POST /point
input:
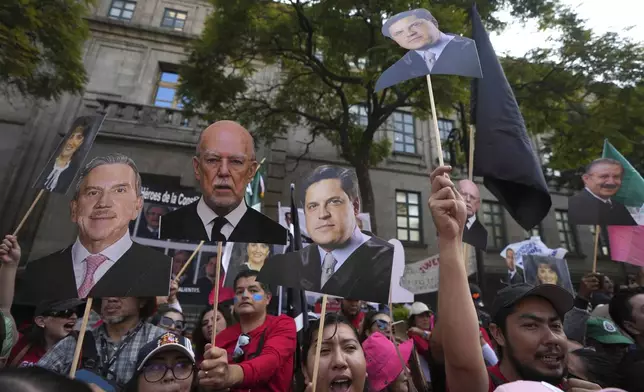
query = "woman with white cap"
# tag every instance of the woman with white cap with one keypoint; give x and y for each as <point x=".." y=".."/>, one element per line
<point x="420" y="325"/>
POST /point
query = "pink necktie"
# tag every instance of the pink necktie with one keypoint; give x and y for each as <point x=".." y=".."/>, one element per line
<point x="93" y="262"/>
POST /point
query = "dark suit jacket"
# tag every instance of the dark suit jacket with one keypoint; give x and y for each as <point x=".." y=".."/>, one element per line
<point x="140" y="272"/>
<point x="365" y="275"/>
<point x="254" y="227"/>
<point x="66" y="176"/>
<point x="586" y="209"/>
<point x="144" y="232"/>
<point x="518" y="278"/>
<point x="476" y="235"/>
<point x="459" y="57"/>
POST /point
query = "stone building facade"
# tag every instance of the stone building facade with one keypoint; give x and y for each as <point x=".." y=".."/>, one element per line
<point x="131" y="60"/>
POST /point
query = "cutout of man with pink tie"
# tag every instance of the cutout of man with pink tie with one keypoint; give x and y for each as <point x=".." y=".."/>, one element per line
<point x="103" y="261"/>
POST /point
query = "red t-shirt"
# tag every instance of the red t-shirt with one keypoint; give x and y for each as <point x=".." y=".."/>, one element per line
<point x="225" y="293"/>
<point x="420" y="344"/>
<point x="31" y="357"/>
<point x="270" y="370"/>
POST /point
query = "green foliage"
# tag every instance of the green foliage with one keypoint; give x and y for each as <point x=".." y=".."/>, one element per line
<point x="400" y="312"/>
<point x="41" y="47"/>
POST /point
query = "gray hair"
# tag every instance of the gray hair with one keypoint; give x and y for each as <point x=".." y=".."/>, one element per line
<point x="111" y="159"/>
<point x="606" y="161"/>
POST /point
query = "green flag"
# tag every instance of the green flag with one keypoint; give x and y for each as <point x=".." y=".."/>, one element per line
<point x="255" y="191"/>
<point x="631" y="193"/>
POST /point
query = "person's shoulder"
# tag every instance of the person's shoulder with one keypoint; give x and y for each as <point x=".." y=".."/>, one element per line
<point x="180" y="212"/>
<point x="380" y="244"/>
<point x="282" y="320"/>
<point x="61" y="254"/>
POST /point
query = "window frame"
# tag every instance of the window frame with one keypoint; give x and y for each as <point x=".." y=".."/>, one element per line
<point x="491" y="245"/>
<point x="403" y="133"/>
<point x="120" y="17"/>
<point x="446" y="153"/>
<point x="174" y="19"/>
<point x="530" y="234"/>
<point x="408" y="229"/>
<point x="573" y="247"/>
<point x="176" y="104"/>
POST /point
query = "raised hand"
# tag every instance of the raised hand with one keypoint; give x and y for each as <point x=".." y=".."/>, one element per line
<point x="10" y="251"/>
<point x="447" y="205"/>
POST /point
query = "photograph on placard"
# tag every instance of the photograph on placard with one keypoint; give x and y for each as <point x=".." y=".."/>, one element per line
<point x="596" y="204"/>
<point x="224" y="165"/>
<point x="514" y="255"/>
<point x="343" y="260"/>
<point x="474" y="232"/>
<point x="243" y="256"/>
<point x="63" y="165"/>
<point x="515" y="273"/>
<point x="363" y="220"/>
<point x="430" y="51"/>
<point x="547" y="270"/>
<point x="103" y="261"/>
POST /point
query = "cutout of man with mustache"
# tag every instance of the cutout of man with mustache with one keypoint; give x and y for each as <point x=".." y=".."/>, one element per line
<point x="593" y="205"/>
<point x="103" y="261"/>
<point x="224" y="165"/>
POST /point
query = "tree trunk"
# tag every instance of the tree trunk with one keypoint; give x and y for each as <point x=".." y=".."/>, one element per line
<point x="368" y="203"/>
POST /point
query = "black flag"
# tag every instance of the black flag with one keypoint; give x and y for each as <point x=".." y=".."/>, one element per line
<point x="503" y="154"/>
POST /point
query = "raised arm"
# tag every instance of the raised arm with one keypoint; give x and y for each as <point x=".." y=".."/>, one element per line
<point x="464" y="365"/>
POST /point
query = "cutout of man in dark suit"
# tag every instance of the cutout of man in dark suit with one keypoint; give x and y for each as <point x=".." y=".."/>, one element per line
<point x="224" y="165"/>
<point x="103" y="262"/>
<point x="474" y="232"/>
<point x="515" y="274"/>
<point x="149" y="225"/>
<point x="343" y="260"/>
<point x="593" y="205"/>
<point x="430" y="50"/>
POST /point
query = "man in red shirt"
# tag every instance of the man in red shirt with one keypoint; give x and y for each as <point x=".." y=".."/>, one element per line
<point x="256" y="354"/>
<point x="352" y="310"/>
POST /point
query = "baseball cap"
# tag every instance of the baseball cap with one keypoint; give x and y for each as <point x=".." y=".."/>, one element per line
<point x="420" y="13"/>
<point x="558" y="297"/>
<point x="383" y="364"/>
<point x="58" y="306"/>
<point x="604" y="331"/>
<point x="527" y="386"/>
<point x="418" y="308"/>
<point x="167" y="342"/>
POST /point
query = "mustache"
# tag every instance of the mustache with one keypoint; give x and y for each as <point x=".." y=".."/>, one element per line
<point x="222" y="183"/>
<point x="102" y="214"/>
<point x="609" y="186"/>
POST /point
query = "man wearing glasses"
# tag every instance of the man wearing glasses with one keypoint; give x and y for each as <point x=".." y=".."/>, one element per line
<point x="224" y="165"/>
<point x="474" y="232"/>
<point x="256" y="354"/>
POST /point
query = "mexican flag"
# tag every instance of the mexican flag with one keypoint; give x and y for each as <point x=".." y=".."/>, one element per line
<point x="255" y="190"/>
<point x="631" y="193"/>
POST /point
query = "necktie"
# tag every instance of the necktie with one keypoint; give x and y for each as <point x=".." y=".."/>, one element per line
<point x="218" y="223"/>
<point x="92" y="264"/>
<point x="327" y="268"/>
<point x="430" y="59"/>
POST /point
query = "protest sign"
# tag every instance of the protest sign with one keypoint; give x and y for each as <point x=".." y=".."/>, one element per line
<point x="422" y="276"/>
<point x="627" y="244"/>
<point x="547" y="270"/>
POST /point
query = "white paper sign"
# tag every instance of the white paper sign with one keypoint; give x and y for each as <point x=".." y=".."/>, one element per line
<point x="533" y="246"/>
<point x="422" y="276"/>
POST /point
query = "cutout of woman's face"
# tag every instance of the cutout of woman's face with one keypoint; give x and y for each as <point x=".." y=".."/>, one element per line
<point x="257" y="253"/>
<point x="342" y="361"/>
<point x="546" y="275"/>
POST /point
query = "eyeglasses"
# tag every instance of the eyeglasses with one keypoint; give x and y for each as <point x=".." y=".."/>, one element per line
<point x="167" y="322"/>
<point x="61" y="313"/>
<point x="155" y="372"/>
<point x="382" y="324"/>
<point x="242" y="341"/>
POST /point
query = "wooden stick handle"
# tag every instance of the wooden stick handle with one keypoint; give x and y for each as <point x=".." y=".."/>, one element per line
<point x="597" y="230"/>
<point x="437" y="135"/>
<point x="470" y="171"/>
<point x="187" y="264"/>
<point x="81" y="338"/>
<point x="318" y="347"/>
<point x="31" y="208"/>
<point x="215" y="301"/>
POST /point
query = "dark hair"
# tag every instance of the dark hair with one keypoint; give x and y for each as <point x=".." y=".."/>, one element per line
<point x="599" y="161"/>
<point x="420" y="13"/>
<point x="161" y="311"/>
<point x="311" y="333"/>
<point x="620" y="308"/>
<point x="198" y="339"/>
<point x="500" y="320"/>
<point x="368" y="322"/>
<point x="247" y="274"/>
<point x="600" y="369"/>
<point x="347" y="177"/>
<point x="37" y="379"/>
<point x="147" y="311"/>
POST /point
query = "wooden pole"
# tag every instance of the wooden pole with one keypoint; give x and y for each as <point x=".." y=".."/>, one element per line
<point x="29" y="211"/>
<point x="187" y="264"/>
<point x="597" y="230"/>
<point x="318" y="347"/>
<point x="215" y="301"/>
<point x="470" y="176"/>
<point x="81" y="337"/>
<point x="437" y="135"/>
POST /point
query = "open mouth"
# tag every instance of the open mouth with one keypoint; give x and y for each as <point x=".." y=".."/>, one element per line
<point x="340" y="384"/>
<point x="552" y="361"/>
<point x="69" y="327"/>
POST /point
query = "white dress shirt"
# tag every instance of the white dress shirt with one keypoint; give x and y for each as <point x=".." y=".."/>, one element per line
<point x="207" y="217"/>
<point x="342" y="254"/>
<point x="112" y="252"/>
<point x="470" y="221"/>
<point x="431" y="54"/>
<point x="52" y="179"/>
<point x="606" y="201"/>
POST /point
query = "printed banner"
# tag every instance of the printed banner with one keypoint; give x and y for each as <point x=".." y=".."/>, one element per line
<point x="627" y="244"/>
<point x="422" y="276"/>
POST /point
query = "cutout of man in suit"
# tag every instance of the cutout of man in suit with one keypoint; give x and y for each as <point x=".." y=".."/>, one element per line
<point x="430" y="50"/>
<point x="149" y="225"/>
<point x="103" y="262"/>
<point x="224" y="165"/>
<point x="516" y="274"/>
<point x="343" y="260"/>
<point x="474" y="232"/>
<point x="593" y="205"/>
<point x="63" y="165"/>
